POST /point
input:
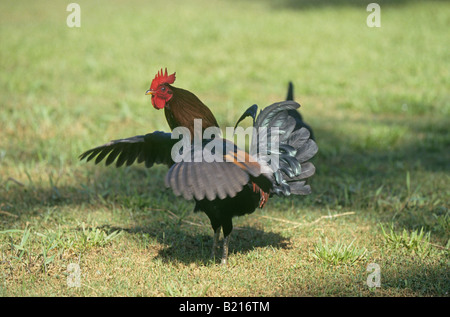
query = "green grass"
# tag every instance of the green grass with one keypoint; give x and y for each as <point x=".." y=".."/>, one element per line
<point x="377" y="99"/>
<point x="338" y="253"/>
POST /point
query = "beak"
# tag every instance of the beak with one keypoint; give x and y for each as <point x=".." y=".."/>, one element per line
<point x="149" y="92"/>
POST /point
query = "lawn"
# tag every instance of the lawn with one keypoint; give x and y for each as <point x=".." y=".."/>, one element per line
<point x="378" y="100"/>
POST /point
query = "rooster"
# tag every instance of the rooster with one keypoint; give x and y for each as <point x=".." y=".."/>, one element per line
<point x="223" y="189"/>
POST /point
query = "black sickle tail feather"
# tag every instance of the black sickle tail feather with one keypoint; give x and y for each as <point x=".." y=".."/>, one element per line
<point x="250" y="112"/>
<point x="290" y="93"/>
<point x="295" y="148"/>
<point x="295" y="114"/>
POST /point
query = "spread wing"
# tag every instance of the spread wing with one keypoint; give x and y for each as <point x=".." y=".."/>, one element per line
<point x="215" y="179"/>
<point x="202" y="180"/>
<point x="150" y="148"/>
<point x="188" y="177"/>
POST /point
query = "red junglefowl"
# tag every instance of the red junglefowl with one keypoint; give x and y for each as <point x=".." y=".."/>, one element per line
<point x="235" y="185"/>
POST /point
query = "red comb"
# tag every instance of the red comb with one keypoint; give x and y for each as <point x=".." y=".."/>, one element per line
<point x="162" y="78"/>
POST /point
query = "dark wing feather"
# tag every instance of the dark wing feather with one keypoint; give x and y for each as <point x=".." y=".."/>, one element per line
<point x="113" y="155"/>
<point x="150" y="148"/>
<point x="100" y="156"/>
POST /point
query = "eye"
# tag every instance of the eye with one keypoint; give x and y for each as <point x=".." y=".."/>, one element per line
<point x="163" y="88"/>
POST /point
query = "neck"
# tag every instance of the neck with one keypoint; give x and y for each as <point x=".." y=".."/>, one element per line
<point x="184" y="107"/>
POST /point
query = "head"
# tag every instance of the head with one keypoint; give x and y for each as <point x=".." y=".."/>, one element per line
<point x="160" y="90"/>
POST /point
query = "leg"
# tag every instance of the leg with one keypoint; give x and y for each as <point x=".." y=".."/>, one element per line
<point x="216" y="225"/>
<point x="226" y="240"/>
<point x="227" y="227"/>
<point x="215" y="242"/>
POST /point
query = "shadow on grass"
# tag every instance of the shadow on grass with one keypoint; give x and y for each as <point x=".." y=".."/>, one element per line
<point x="101" y="185"/>
<point x="422" y="280"/>
<point x="396" y="279"/>
<point x="401" y="180"/>
<point x="191" y="246"/>
<point x="348" y="174"/>
<point x="312" y="4"/>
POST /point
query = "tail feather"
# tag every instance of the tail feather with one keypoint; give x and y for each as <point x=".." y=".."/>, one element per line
<point x="295" y="114"/>
<point x="308" y="170"/>
<point x="298" y="138"/>
<point x="295" y="141"/>
<point x="290" y="93"/>
<point x="306" y="151"/>
<point x="300" y="188"/>
<point x="295" y="149"/>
